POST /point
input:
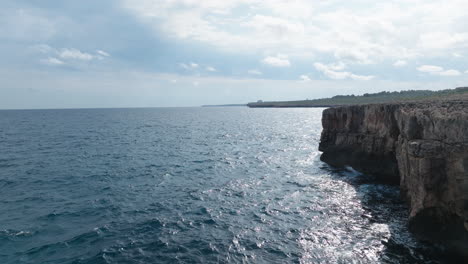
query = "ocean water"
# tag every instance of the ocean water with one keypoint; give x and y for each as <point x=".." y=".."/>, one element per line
<point x="189" y="185"/>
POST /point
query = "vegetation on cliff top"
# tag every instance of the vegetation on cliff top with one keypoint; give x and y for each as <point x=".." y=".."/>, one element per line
<point x="382" y="97"/>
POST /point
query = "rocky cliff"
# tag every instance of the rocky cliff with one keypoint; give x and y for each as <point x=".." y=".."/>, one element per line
<point x="423" y="146"/>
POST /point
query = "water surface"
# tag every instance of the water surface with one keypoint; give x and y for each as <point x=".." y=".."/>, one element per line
<point x="189" y="185"/>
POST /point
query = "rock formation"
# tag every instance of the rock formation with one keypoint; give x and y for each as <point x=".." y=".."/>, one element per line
<point x="421" y="145"/>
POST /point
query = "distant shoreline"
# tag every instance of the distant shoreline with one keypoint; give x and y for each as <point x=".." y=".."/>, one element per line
<point x="373" y="98"/>
<point x="225" y="105"/>
<point x="280" y="105"/>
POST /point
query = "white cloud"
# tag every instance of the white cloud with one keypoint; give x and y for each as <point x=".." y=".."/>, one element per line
<point x="337" y="66"/>
<point x="210" y="69"/>
<point x="429" y="68"/>
<point x="449" y="73"/>
<point x="257" y="72"/>
<point x="361" y="77"/>
<point x="353" y="55"/>
<point x="442" y="40"/>
<point x="437" y="70"/>
<point x="103" y="53"/>
<point x="305" y="78"/>
<point x="189" y="66"/>
<point x="400" y="63"/>
<point x="466" y="71"/>
<point x="360" y="31"/>
<point x="52" y="61"/>
<point x="75" y="54"/>
<point x="277" y="61"/>
<point x="66" y="55"/>
<point x="279" y="28"/>
<point x="331" y="72"/>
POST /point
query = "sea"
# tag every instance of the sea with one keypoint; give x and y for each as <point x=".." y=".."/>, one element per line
<point x="190" y="185"/>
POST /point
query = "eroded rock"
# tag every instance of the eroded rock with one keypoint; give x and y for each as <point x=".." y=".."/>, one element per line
<point x="423" y="146"/>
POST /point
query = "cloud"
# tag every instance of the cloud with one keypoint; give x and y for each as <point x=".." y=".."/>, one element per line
<point x="75" y="55"/>
<point x="189" y="66"/>
<point x="305" y="78"/>
<point x="336" y="66"/>
<point x="67" y="56"/>
<point x="103" y="53"/>
<point x="360" y="31"/>
<point x="450" y="73"/>
<point x="400" y="63"/>
<point x="429" y="68"/>
<point x="331" y="72"/>
<point x="276" y="27"/>
<point x="52" y="61"/>
<point x="442" y="40"/>
<point x="254" y="72"/>
<point x="192" y="66"/>
<point x="353" y="55"/>
<point x="361" y="77"/>
<point x="277" y="61"/>
<point x="437" y="70"/>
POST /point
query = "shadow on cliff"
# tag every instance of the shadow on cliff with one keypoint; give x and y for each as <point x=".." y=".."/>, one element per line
<point x="382" y="205"/>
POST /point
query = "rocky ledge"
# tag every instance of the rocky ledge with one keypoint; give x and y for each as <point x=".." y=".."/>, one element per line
<point x="423" y="146"/>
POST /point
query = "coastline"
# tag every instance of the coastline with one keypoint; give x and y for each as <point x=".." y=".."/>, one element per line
<point x="422" y="146"/>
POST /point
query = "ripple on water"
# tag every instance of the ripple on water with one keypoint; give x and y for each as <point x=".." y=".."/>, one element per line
<point x="189" y="185"/>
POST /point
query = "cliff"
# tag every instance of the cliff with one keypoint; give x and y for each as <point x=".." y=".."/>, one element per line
<point x="423" y="146"/>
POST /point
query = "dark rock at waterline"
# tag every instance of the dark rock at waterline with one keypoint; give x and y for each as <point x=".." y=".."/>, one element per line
<point x="423" y="146"/>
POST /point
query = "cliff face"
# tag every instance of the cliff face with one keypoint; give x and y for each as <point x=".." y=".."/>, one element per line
<point x="423" y="146"/>
<point x="363" y="137"/>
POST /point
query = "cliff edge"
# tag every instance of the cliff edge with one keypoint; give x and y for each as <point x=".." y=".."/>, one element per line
<point x="423" y="146"/>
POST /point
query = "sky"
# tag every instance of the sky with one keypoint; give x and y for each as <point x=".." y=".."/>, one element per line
<point x="162" y="53"/>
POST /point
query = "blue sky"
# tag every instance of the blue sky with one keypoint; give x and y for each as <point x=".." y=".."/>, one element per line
<point x="143" y="53"/>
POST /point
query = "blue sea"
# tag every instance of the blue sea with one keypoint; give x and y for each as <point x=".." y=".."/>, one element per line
<point x="189" y="185"/>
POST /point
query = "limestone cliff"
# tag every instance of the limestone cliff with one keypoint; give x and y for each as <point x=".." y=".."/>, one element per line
<point x="423" y="146"/>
